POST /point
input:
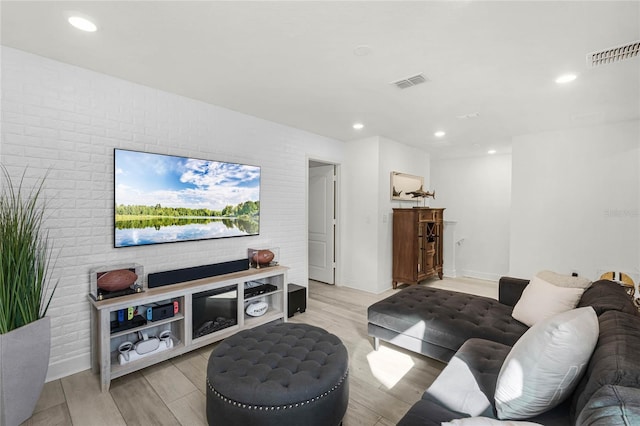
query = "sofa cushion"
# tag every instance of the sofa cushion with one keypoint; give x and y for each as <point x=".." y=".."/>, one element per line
<point x="605" y="295"/>
<point x="561" y="280"/>
<point x="545" y="365"/>
<point x="615" y="360"/>
<point x="446" y="318"/>
<point x="486" y="421"/>
<point x="427" y="412"/>
<point x="510" y="290"/>
<point x="612" y="406"/>
<point x="467" y="384"/>
<point x="541" y="300"/>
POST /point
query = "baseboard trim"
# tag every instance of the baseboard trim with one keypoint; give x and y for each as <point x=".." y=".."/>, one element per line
<point x="356" y="286"/>
<point x="488" y="276"/>
<point x="449" y="273"/>
<point x="68" y="367"/>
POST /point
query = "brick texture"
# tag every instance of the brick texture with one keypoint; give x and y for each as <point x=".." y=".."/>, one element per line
<point x="64" y="121"/>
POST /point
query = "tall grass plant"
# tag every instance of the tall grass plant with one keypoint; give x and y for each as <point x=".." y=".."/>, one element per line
<point x="25" y="254"/>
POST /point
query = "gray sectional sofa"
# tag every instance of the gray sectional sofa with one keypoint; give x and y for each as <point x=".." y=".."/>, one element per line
<point x="478" y="333"/>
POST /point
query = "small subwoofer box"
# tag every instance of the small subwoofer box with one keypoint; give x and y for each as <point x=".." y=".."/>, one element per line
<point x="296" y="299"/>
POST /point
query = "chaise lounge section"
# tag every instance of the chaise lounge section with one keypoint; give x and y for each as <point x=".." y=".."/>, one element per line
<point x="475" y="335"/>
<point x="436" y="322"/>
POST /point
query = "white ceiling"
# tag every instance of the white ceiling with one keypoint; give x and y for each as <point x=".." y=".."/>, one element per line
<point x="294" y="62"/>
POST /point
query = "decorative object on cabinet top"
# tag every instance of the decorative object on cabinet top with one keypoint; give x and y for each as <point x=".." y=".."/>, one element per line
<point x="421" y="193"/>
<point x="406" y="187"/>
<point x="116" y="280"/>
<point x="260" y="258"/>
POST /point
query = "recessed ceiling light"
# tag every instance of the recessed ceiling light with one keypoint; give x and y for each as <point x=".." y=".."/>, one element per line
<point x="491" y="151"/>
<point x="358" y="126"/>
<point x="439" y="134"/>
<point x="566" y="78"/>
<point x="82" y="24"/>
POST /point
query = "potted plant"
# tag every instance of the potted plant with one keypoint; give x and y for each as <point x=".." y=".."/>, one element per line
<point x="25" y="295"/>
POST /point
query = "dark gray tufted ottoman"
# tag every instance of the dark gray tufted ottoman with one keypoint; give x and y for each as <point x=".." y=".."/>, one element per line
<point x="278" y="374"/>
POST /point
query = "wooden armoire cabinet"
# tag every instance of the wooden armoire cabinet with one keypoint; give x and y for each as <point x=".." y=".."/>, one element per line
<point x="417" y="244"/>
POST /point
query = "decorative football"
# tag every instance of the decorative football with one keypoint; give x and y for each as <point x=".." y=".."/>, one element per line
<point x="118" y="279"/>
<point x="257" y="309"/>
<point x="263" y="257"/>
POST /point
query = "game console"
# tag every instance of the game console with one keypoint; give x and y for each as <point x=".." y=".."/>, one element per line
<point x="146" y="346"/>
<point x="160" y="312"/>
<point x="125" y="324"/>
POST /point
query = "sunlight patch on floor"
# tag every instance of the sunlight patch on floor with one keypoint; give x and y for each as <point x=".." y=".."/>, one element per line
<point x="389" y="366"/>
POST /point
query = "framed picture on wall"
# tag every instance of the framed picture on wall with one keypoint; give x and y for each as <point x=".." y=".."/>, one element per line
<point x="403" y="184"/>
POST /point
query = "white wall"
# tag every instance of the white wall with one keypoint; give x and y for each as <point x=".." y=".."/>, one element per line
<point x="67" y="120"/>
<point x="575" y="201"/>
<point x="367" y="215"/>
<point x="359" y="196"/>
<point x="476" y="193"/>
<point x="395" y="157"/>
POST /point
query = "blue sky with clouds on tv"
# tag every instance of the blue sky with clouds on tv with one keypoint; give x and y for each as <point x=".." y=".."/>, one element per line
<point x="151" y="179"/>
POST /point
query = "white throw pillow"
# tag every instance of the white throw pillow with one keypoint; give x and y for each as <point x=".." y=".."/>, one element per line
<point x="546" y="363"/>
<point x="541" y="300"/>
<point x="486" y="421"/>
<point x="564" y="280"/>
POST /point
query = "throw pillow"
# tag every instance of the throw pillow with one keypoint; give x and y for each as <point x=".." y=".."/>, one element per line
<point x="545" y="364"/>
<point x="564" y="280"/>
<point x="541" y="300"/>
<point x="486" y="421"/>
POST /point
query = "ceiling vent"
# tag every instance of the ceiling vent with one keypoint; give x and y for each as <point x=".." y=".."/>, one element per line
<point x="614" y="54"/>
<point x="414" y="80"/>
<point x="468" y="116"/>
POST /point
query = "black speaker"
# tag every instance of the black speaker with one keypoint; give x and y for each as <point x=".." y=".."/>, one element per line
<point x="159" y="279"/>
<point x="296" y="299"/>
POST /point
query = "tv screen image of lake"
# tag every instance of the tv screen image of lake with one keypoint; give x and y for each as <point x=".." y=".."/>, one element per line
<point x="162" y="199"/>
<point x="166" y="230"/>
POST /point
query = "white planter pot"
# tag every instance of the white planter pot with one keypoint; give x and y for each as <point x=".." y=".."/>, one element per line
<point x="24" y="361"/>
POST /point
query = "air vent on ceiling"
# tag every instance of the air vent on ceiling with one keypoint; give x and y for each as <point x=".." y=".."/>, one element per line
<point x="614" y="54"/>
<point x="405" y="83"/>
<point x="468" y="116"/>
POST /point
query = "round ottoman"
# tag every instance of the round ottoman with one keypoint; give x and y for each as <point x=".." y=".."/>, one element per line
<point x="278" y="374"/>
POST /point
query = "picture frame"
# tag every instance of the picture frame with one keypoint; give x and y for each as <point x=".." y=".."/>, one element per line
<point x="403" y="183"/>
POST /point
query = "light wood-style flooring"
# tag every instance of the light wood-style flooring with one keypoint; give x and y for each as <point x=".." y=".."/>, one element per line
<point x="383" y="384"/>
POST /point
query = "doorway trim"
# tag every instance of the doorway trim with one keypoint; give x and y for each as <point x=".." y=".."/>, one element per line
<point x="337" y="196"/>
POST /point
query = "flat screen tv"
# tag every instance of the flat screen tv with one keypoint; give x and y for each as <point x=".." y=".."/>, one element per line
<point x="164" y="199"/>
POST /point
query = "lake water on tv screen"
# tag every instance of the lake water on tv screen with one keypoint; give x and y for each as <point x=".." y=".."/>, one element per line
<point x="166" y="230"/>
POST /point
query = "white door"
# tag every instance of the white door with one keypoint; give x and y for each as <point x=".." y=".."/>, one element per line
<point x="321" y="224"/>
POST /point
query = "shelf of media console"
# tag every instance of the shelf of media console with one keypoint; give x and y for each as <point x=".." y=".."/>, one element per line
<point x="263" y="295"/>
<point x="148" y="325"/>
<point x="106" y="362"/>
<point x="267" y="317"/>
<point x="119" y="370"/>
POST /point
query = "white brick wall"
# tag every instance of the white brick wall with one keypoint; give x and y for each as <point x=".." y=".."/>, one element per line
<point x="67" y="120"/>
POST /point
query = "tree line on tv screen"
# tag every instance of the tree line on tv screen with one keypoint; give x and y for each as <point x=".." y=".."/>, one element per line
<point x="245" y="209"/>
